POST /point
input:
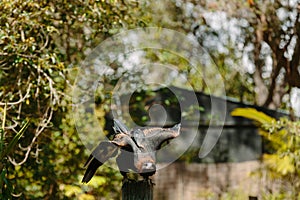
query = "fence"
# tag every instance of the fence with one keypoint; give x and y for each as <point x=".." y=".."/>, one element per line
<point x="180" y="181"/>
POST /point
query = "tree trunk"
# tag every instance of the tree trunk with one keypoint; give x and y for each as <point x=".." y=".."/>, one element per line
<point x="137" y="190"/>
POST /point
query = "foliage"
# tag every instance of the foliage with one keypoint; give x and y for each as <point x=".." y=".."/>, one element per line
<point x="284" y="162"/>
<point x="255" y="44"/>
<point x="41" y="44"/>
<point x="6" y="187"/>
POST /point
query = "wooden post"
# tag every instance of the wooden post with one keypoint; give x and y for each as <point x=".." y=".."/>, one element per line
<point x="137" y="190"/>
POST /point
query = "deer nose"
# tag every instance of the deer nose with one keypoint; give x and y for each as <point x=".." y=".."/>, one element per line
<point x="148" y="167"/>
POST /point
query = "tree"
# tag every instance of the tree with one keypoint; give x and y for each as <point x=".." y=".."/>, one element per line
<point x="254" y="43"/>
<point x="38" y="42"/>
<point x="283" y="160"/>
<point x="278" y="26"/>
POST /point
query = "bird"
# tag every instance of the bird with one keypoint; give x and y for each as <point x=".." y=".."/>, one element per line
<point x="134" y="150"/>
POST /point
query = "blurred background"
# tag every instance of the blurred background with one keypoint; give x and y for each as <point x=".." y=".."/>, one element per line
<point x="255" y="46"/>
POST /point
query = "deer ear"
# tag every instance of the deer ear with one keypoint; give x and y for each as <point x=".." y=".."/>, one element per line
<point x="119" y="127"/>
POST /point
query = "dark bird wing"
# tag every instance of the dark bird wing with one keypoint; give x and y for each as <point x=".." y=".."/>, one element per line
<point x="159" y="135"/>
<point x="104" y="151"/>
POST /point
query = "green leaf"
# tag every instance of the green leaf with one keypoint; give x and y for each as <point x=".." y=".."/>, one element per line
<point x="2" y="132"/>
<point x="253" y="114"/>
<point x="72" y="190"/>
<point x="282" y="165"/>
<point x="14" y="141"/>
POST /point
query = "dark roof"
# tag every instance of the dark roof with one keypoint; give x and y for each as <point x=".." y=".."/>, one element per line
<point x="239" y="140"/>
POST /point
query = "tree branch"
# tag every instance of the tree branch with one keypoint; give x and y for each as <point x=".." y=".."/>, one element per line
<point x="21" y="99"/>
<point x="42" y="125"/>
<point x="292" y="69"/>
